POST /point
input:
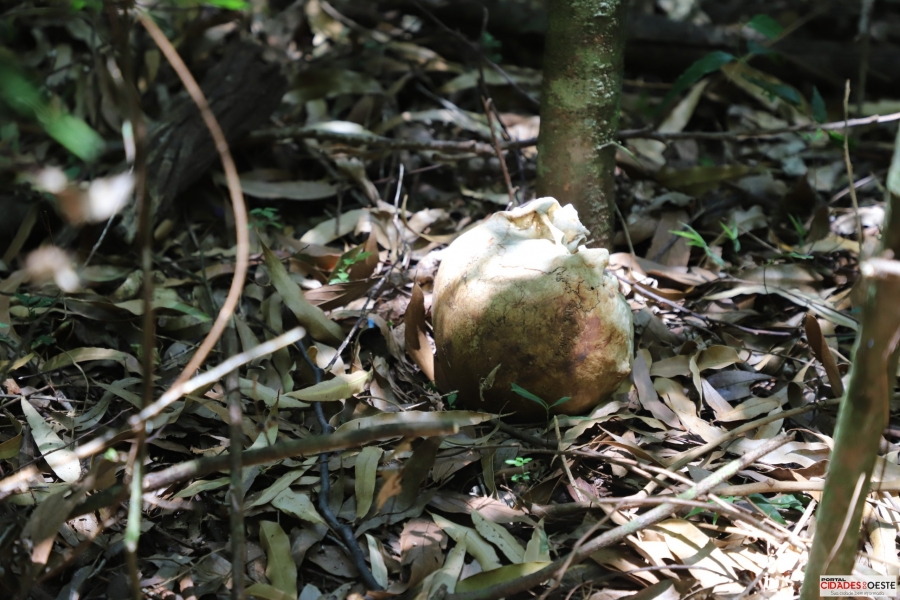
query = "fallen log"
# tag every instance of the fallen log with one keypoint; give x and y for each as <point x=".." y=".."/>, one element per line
<point x="243" y="91"/>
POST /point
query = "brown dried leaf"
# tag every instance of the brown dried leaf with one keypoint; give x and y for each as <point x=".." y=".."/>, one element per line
<point x="823" y="353"/>
<point x="417" y="344"/>
<point x="647" y="395"/>
<point x="421" y="544"/>
<point x="695" y="548"/>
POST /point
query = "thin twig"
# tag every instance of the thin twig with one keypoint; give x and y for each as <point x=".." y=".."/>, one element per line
<point x="381" y="142"/>
<point x="644" y="290"/>
<point x="309" y="446"/>
<point x="626" y="134"/>
<point x="236" y="480"/>
<point x="215" y="374"/>
<point x="475" y="147"/>
<point x="17" y="481"/>
<point x="789" y="487"/>
<point x="689" y="456"/>
<point x="625" y="229"/>
<point x="234" y="189"/>
<point x="490" y="119"/>
<point x="135" y="468"/>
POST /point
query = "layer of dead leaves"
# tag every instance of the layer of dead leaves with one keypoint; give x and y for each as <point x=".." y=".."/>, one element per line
<point x="755" y="318"/>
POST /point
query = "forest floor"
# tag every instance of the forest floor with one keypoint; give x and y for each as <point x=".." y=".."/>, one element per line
<point x="740" y="265"/>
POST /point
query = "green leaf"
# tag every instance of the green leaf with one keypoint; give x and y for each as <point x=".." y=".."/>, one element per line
<point x="26" y="99"/>
<point x="767" y="507"/>
<point x="778" y="90"/>
<point x="798" y="227"/>
<point x="227" y="4"/>
<point x="526" y="394"/>
<point x="754" y="48"/>
<point x="766" y="25"/>
<point x="733" y="235"/>
<point x="820" y="114"/>
<point x="710" y="63"/>
<point x="787" y="502"/>
<point x="562" y="400"/>
<point x="75" y="135"/>
<point x="692" y="236"/>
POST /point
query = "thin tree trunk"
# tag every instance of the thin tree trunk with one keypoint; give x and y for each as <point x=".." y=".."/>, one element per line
<point x="583" y="62"/>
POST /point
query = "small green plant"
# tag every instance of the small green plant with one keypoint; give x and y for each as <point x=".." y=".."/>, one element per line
<point x="451" y="399"/>
<point x="520" y="463"/>
<point x="32" y="302"/>
<point x="491" y="46"/>
<point x="263" y="218"/>
<point x="42" y="340"/>
<point x="341" y="272"/>
<point x="526" y="394"/>
<point x="732" y="234"/>
<point x="696" y="240"/>
<point x="799" y="228"/>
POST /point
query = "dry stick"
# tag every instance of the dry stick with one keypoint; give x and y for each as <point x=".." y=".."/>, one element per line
<point x="476" y="147"/>
<point x="148" y="327"/>
<point x="240" y="268"/>
<point x="490" y="119"/>
<point x="644" y="290"/>
<point x="755" y="133"/>
<point x="625" y="229"/>
<point x="695" y="453"/>
<point x="17" y="481"/>
<point x="522" y="188"/>
<point x="849" y="165"/>
<point x="310" y="446"/>
<point x="236" y="481"/>
<point x="880" y="268"/>
<point x="381" y="142"/>
<point x="234" y="189"/>
<point x="732" y="512"/>
<point x="637" y="499"/>
<point x="655" y="515"/>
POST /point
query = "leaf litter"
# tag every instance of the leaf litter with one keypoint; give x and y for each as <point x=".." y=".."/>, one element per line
<point x="742" y="277"/>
